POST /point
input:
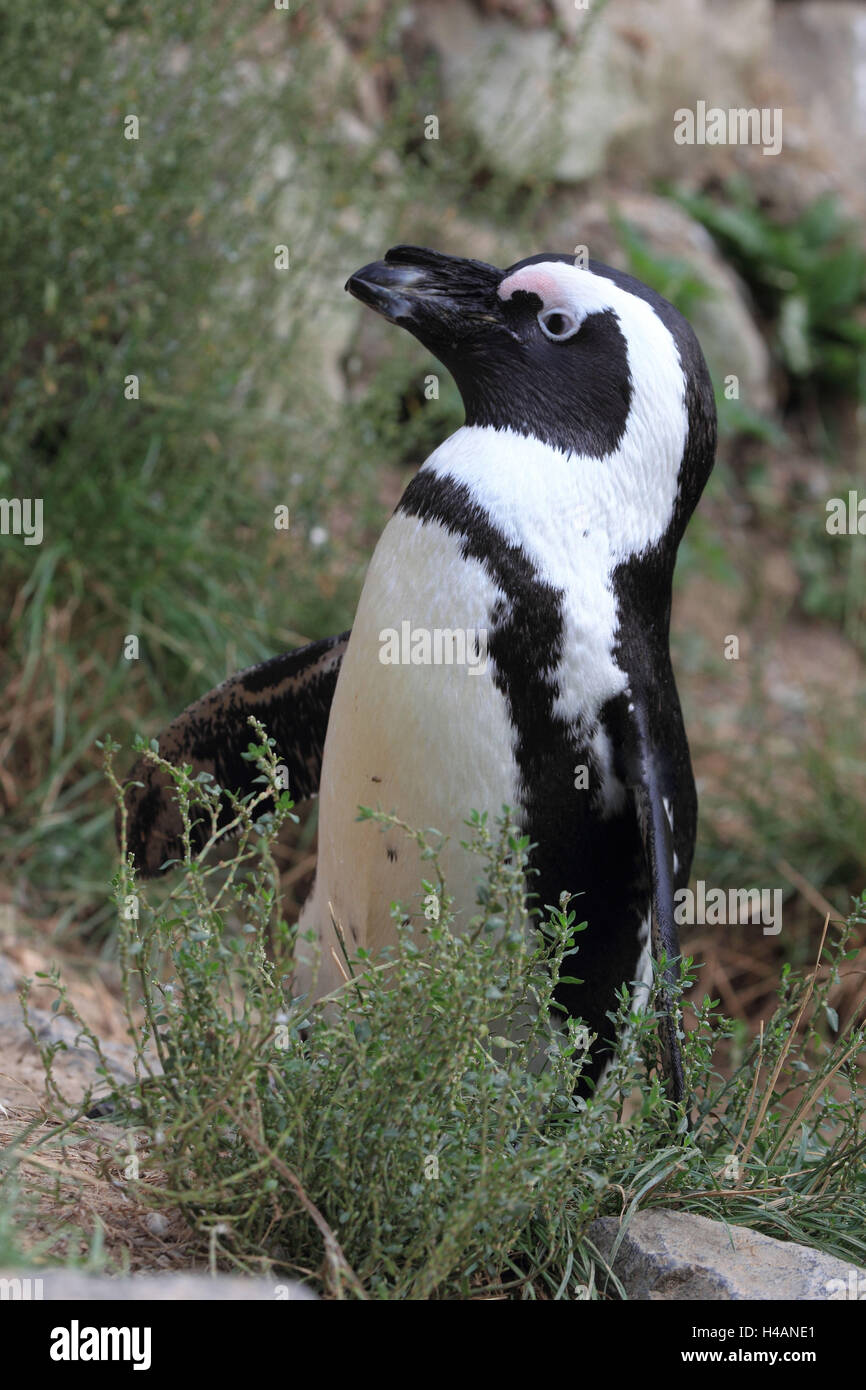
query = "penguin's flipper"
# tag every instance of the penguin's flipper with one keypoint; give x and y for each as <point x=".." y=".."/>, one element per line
<point x="290" y="694"/>
<point x="649" y="789"/>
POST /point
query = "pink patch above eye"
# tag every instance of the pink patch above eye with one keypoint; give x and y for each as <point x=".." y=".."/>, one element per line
<point x="532" y="279"/>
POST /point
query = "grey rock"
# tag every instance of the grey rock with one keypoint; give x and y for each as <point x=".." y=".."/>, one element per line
<point x="819" y="55"/>
<point x="54" y="1285"/>
<point x="602" y="83"/>
<point x="676" y="1255"/>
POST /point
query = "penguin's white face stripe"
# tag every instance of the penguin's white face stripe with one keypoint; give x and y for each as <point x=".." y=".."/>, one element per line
<point x="631" y="492"/>
<point x="562" y="286"/>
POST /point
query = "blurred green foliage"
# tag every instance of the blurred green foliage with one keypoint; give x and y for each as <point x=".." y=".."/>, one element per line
<point x="808" y="278"/>
<point x="155" y="258"/>
<point x="671" y="276"/>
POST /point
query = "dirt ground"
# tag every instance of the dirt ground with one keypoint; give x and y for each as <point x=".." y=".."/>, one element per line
<point x="77" y="1201"/>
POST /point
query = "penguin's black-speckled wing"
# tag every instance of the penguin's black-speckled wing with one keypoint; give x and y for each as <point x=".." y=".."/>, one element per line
<point x="291" y="695"/>
<point x="651" y="782"/>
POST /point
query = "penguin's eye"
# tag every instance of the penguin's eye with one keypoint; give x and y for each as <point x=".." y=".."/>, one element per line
<point x="557" y="324"/>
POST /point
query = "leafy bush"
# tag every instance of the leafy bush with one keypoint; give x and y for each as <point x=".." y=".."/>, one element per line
<point x="418" y="1133"/>
<point x="808" y="277"/>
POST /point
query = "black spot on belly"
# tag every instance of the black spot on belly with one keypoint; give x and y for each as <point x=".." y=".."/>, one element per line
<point x="392" y="855"/>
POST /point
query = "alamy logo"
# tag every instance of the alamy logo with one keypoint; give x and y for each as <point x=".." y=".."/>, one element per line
<point x="438" y="646"/>
<point x="715" y="908"/>
<point x="738" y="126"/>
<point x="77" y="1343"/>
<point x="847" y="520"/>
<point x="854" y="1290"/>
<point x="22" y="516"/>
<point x="20" y="1290"/>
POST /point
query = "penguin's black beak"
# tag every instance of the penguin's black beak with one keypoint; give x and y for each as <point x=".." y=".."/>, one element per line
<point x="433" y="295"/>
<point x="392" y="290"/>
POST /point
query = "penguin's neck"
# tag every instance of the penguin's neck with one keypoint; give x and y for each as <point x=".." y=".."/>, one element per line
<point x="544" y="499"/>
<point x="549" y="527"/>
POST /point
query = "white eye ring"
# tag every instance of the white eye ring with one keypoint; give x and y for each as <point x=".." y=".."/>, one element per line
<point x="569" y="325"/>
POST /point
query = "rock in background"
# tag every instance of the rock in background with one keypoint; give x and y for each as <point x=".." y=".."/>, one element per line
<point x="601" y="83"/>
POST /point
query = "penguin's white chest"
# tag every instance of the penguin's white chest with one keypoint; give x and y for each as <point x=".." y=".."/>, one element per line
<point x="417" y="728"/>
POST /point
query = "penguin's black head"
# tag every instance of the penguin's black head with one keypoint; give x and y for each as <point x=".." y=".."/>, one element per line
<point x="586" y="359"/>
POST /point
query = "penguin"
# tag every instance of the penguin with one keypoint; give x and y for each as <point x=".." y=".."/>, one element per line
<point x="546" y="527"/>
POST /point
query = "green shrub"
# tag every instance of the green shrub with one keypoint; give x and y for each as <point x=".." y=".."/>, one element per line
<point x="808" y="278"/>
<point x="418" y="1133"/>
